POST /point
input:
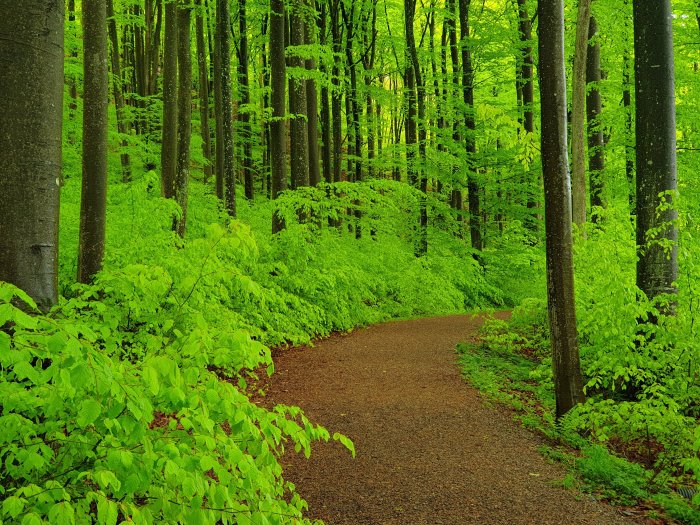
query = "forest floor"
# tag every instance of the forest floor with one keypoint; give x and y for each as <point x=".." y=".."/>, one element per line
<point x="429" y="449"/>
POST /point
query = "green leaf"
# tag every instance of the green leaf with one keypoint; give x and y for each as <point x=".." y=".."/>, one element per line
<point x="347" y="442"/>
<point x="62" y="514"/>
<point x="31" y="519"/>
<point x="107" y="512"/>
<point x="89" y="411"/>
<point x="13" y="506"/>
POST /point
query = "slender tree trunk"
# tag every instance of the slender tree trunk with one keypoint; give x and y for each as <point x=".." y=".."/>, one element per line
<point x="203" y="92"/>
<point x="219" y="111"/>
<point x="297" y="98"/>
<point x="93" y="197"/>
<point x="327" y="146"/>
<point x="337" y="95"/>
<point x="184" y="116"/>
<point x="526" y="91"/>
<point x="657" y="267"/>
<point x="154" y="44"/>
<point x="278" y="80"/>
<point x="568" y="385"/>
<point x="30" y="142"/>
<point x="312" y="98"/>
<point x="168" y="154"/>
<point x="468" y="85"/>
<point x="122" y="123"/>
<point x="245" y="135"/>
<point x="578" y="115"/>
<point x="594" y="107"/>
<point x="73" y="85"/>
<point x="629" y="133"/>
<point x="368" y="64"/>
<point x="267" y="151"/>
<point x="456" y="198"/>
<point x="223" y="34"/>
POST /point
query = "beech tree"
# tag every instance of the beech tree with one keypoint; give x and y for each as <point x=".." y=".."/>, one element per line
<point x="568" y="385"/>
<point x="93" y="200"/>
<point x="30" y="142"/>
<point x="278" y="80"/>
<point x="657" y="232"/>
<point x="168" y="154"/>
<point x="184" y="116"/>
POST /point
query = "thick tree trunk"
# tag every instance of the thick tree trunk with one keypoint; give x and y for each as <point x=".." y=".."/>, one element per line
<point x="93" y="197"/>
<point x="203" y="93"/>
<point x="122" y="123"/>
<point x="297" y="102"/>
<point x="312" y="98"/>
<point x="594" y="107"/>
<point x="168" y="153"/>
<point x="278" y="80"/>
<point x="657" y="267"/>
<point x="30" y="141"/>
<point x="245" y="135"/>
<point x="578" y="115"/>
<point x="223" y="34"/>
<point x="184" y="116"/>
<point x="476" y="236"/>
<point x="568" y="385"/>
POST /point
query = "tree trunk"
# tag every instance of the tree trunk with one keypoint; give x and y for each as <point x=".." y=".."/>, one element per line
<point x="525" y="87"/>
<point x="327" y="146"/>
<point x="657" y="267"/>
<point x="468" y="86"/>
<point x="184" y="116"/>
<point x="456" y="198"/>
<point x="578" y="115"/>
<point x="203" y="93"/>
<point x="93" y="197"/>
<point x="223" y="34"/>
<point x="568" y="385"/>
<point x="312" y="97"/>
<point x="30" y="141"/>
<point x="219" y="112"/>
<point x="168" y="153"/>
<point x="337" y="96"/>
<point x="629" y="133"/>
<point x="122" y="124"/>
<point x="278" y="80"/>
<point x="297" y="102"/>
<point x="244" y="111"/>
<point x="596" y="142"/>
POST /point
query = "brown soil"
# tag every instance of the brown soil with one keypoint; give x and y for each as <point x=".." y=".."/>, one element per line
<point x="428" y="449"/>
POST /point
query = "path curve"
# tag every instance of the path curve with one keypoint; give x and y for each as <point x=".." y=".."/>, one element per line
<point x="429" y="451"/>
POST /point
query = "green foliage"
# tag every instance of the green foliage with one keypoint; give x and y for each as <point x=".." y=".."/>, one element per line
<point x="623" y="481"/>
<point x="90" y="437"/>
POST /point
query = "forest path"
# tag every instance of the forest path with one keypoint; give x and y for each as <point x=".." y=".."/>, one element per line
<point x="428" y="449"/>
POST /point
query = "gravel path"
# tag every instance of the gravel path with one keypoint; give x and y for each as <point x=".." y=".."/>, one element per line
<point x="428" y="450"/>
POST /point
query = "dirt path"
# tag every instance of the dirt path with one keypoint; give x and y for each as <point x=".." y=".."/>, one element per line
<point x="428" y="450"/>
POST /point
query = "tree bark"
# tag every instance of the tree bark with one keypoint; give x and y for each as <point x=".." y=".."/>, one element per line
<point x="312" y="98"/>
<point x="278" y="80"/>
<point x="219" y="111"/>
<point x="93" y="197"/>
<point x="245" y="135"/>
<point x="203" y="92"/>
<point x="337" y="95"/>
<point x="297" y="102"/>
<point x="473" y="190"/>
<point x="327" y="146"/>
<point x="223" y="34"/>
<point x="594" y="107"/>
<point x="578" y="115"/>
<point x="568" y="385"/>
<point x="184" y="116"/>
<point x="122" y="123"/>
<point x="30" y="141"/>
<point x="168" y="153"/>
<point x="657" y="268"/>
